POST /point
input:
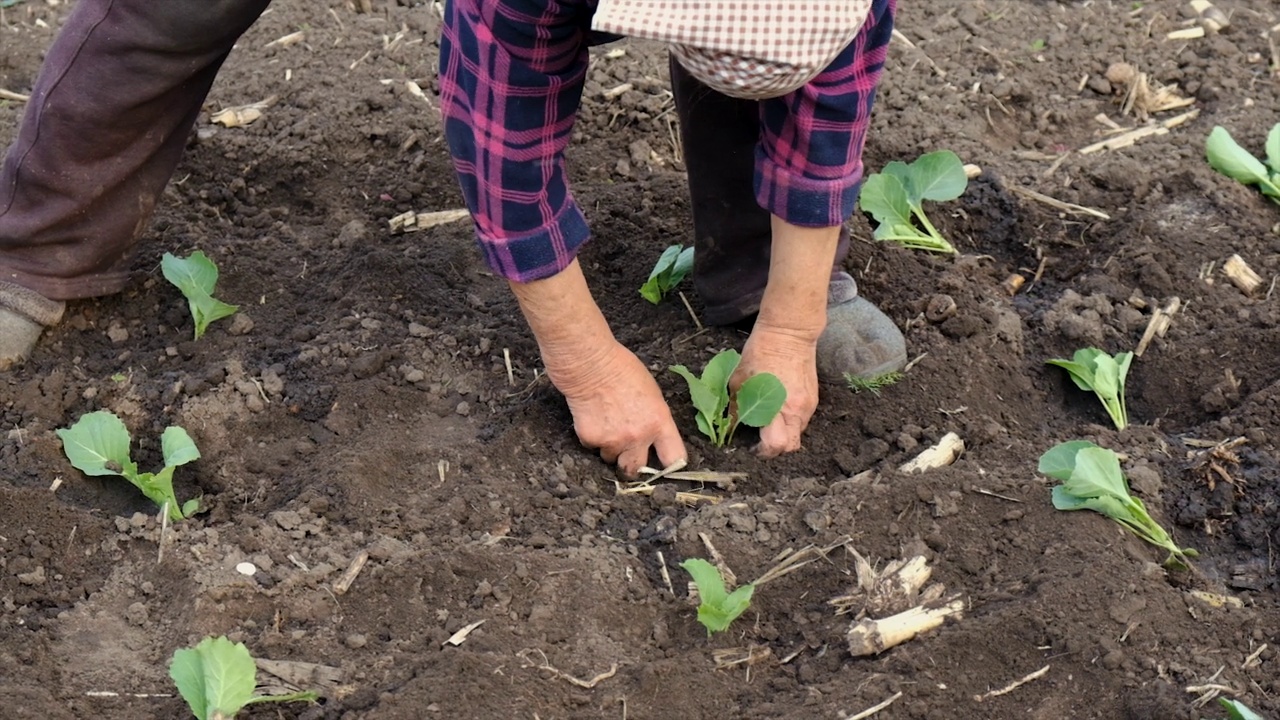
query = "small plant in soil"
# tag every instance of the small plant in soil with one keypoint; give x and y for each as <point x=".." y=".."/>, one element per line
<point x="895" y="198"/>
<point x="217" y="678"/>
<point x="196" y="277"/>
<point x="717" y="607"/>
<point x="1227" y="157"/>
<point x="98" y="444"/>
<point x="1092" y="480"/>
<point x="758" y="400"/>
<point x="1237" y="710"/>
<point x="672" y="267"/>
<point x="1093" y="369"/>
<point x="872" y="384"/>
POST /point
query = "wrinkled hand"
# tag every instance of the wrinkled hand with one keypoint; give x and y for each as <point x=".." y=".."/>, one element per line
<point x="617" y="407"/>
<point x="793" y="358"/>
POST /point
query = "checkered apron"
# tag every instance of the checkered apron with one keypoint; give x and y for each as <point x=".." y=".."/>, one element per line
<point x="751" y="49"/>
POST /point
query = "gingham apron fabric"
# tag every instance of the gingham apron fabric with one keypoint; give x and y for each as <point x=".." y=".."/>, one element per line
<point x="751" y="49"/>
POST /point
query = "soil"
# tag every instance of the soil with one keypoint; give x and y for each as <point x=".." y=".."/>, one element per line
<point x="360" y="402"/>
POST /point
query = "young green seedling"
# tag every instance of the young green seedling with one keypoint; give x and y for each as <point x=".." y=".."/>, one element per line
<point x="1093" y="369"/>
<point x="1092" y="480"/>
<point x="217" y="678"/>
<point x="717" y="608"/>
<point x="196" y="276"/>
<point x="1227" y="157"/>
<point x="759" y="399"/>
<point x="1237" y="710"/>
<point x="98" y="444"/>
<point x="672" y="267"/>
<point x="897" y="193"/>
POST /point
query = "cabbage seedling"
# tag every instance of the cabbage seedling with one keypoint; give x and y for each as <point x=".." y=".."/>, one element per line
<point x="196" y="276"/>
<point x="1093" y="369"/>
<point x="1237" y="710"/>
<point x="1092" y="480"/>
<point x="759" y="399"/>
<point x="1227" y="157"/>
<point x="217" y="678"/>
<point x="895" y="198"/>
<point x="672" y="267"/>
<point x="717" y="608"/>
<point x="98" y="444"/>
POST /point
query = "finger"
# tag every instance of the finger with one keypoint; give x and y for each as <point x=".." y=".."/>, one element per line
<point x="609" y="454"/>
<point x="670" y="446"/>
<point x="632" y="459"/>
<point x="778" y="437"/>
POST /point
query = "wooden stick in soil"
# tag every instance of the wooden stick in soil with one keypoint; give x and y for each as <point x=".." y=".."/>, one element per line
<point x="353" y="570"/>
<point x="11" y="95"/>
<point x="689" y="307"/>
<point x="872" y="637"/>
<point x="1158" y="325"/>
<point x="875" y="708"/>
<point x="1241" y="275"/>
<point x="1058" y="204"/>
<point x="1013" y="685"/>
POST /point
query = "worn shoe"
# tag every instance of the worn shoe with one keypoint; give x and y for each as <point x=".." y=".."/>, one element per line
<point x="24" y="314"/>
<point x="859" y="340"/>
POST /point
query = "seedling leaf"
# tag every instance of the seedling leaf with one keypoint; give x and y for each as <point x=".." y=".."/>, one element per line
<point x="937" y="176"/>
<point x="1060" y="460"/>
<point x="96" y="439"/>
<point x="217" y="679"/>
<point x="178" y="447"/>
<point x="1227" y="157"/>
<point x="885" y="197"/>
<point x="1237" y="710"/>
<point x="1093" y="480"/>
<point x="760" y="398"/>
<point x="1093" y="369"/>
<point x="98" y="444"/>
<point x="895" y="198"/>
<point x="196" y="277"/>
<point x="717" y="608"/>
<point x="673" y="265"/>
<point x="1273" y="150"/>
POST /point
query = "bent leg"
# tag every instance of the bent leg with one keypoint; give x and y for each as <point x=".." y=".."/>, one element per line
<point x="732" y="233"/>
<point x="104" y="130"/>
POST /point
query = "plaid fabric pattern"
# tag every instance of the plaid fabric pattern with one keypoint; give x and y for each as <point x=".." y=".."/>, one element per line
<point x="511" y="79"/>
<point x="752" y="49"/>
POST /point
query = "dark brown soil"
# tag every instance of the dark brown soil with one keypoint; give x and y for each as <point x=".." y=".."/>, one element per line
<point x="367" y="406"/>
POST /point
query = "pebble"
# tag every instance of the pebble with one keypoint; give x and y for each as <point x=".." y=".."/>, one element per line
<point x="241" y="324"/>
<point x="117" y="334"/>
<point x="355" y="641"/>
<point x="463" y="409"/>
<point x="246" y="568"/>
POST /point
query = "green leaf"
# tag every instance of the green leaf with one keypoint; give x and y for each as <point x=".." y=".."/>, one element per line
<point x="902" y="171"/>
<point x="1227" y="157"/>
<point x="760" y="398"/>
<point x="705" y="400"/>
<point x="683" y="266"/>
<point x="1106" y="376"/>
<point x="665" y="261"/>
<point x="716" y="377"/>
<point x="937" y="176"/>
<point x="717" y="609"/>
<point x="159" y="488"/>
<point x="190" y="507"/>
<point x="1097" y="474"/>
<point x="196" y="277"/>
<point x="178" y="447"/>
<point x="1273" y="150"/>
<point x="216" y="677"/>
<point x="1237" y="710"/>
<point x="1080" y="373"/>
<point x="96" y="439"/>
<point x="885" y="197"/>
<point x="650" y="291"/>
<point x="1060" y="460"/>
